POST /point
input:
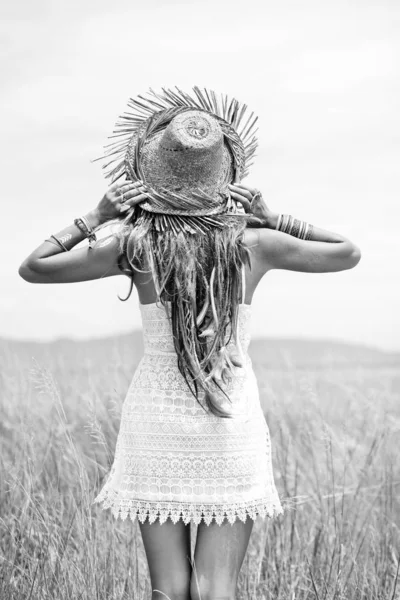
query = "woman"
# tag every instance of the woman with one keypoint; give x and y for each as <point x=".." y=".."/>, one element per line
<point x="193" y="444"/>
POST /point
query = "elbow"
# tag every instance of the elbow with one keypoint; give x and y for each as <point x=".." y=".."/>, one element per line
<point x="27" y="273"/>
<point x="354" y="257"/>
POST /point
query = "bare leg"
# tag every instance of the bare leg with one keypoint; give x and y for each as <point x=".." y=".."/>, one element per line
<point x="167" y="549"/>
<point x="218" y="557"/>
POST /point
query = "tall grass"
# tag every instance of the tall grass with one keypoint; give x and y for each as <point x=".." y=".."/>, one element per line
<point x="335" y="439"/>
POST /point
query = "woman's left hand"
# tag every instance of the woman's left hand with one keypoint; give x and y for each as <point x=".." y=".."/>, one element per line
<point x="253" y="203"/>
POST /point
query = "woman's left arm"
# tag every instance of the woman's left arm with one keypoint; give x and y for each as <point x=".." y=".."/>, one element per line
<point x="51" y="263"/>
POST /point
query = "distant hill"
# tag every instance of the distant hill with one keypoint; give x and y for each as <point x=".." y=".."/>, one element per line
<point x="280" y="352"/>
<point x="268" y="352"/>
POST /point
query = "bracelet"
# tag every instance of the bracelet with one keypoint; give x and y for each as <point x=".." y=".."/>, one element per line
<point x="295" y="227"/>
<point x="59" y="243"/>
<point x="290" y="226"/>
<point x="52" y="242"/>
<point x="83" y="224"/>
<point x="285" y="221"/>
<point x="309" y="232"/>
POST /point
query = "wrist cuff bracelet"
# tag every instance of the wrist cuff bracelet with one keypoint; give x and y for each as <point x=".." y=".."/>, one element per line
<point x="300" y="229"/>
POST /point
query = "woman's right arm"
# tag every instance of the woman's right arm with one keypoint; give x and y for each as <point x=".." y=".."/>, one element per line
<point x="324" y="252"/>
<point x="49" y="263"/>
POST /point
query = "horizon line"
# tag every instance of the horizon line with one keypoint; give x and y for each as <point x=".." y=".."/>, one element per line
<point x="283" y="338"/>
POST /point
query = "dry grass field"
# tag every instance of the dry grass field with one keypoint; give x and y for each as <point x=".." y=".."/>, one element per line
<point x="334" y="415"/>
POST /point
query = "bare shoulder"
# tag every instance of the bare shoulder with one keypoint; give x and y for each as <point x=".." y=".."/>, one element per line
<point x="252" y="238"/>
<point x="259" y="265"/>
<point x="256" y="240"/>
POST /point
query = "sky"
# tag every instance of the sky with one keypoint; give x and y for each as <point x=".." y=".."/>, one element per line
<point x="323" y="77"/>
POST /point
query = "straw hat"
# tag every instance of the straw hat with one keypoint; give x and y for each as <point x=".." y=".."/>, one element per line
<point x="186" y="149"/>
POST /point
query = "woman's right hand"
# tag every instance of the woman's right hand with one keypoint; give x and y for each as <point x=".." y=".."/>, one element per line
<point x="118" y="199"/>
<point x="253" y="203"/>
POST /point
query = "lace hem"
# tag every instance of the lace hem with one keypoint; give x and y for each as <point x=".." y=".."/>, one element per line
<point x="143" y="509"/>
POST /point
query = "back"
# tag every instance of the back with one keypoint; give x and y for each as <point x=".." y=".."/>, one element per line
<point x="147" y="293"/>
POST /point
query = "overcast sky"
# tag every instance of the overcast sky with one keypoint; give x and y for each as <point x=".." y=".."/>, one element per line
<point x="323" y="78"/>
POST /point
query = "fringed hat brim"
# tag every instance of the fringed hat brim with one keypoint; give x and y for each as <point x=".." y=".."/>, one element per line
<point x="234" y="119"/>
<point x="147" y="116"/>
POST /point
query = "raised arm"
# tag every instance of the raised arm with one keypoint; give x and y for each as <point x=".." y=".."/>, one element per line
<point x="54" y="261"/>
<point x="323" y="252"/>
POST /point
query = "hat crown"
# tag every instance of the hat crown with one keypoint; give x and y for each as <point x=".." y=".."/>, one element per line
<point x="194" y="131"/>
<point x="190" y="153"/>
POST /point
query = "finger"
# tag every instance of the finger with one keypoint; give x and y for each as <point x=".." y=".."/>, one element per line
<point x="114" y="186"/>
<point x="129" y="186"/>
<point x="241" y="199"/>
<point x="132" y="202"/>
<point x="245" y="187"/>
<point x="240" y="187"/>
<point x="122" y="194"/>
<point x="132" y="193"/>
<point x="118" y="184"/>
<point x="240" y="190"/>
<point x="136" y="199"/>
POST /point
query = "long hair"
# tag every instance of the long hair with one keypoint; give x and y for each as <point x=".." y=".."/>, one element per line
<point x="197" y="277"/>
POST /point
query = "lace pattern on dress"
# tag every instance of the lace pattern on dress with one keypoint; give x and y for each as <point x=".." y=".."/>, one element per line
<point x="188" y="512"/>
<point x="173" y="458"/>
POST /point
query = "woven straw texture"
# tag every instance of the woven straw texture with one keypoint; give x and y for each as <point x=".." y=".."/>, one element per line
<point x="186" y="148"/>
<point x="190" y="155"/>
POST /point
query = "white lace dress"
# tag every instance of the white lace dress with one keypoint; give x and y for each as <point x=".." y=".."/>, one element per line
<point x="173" y="459"/>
